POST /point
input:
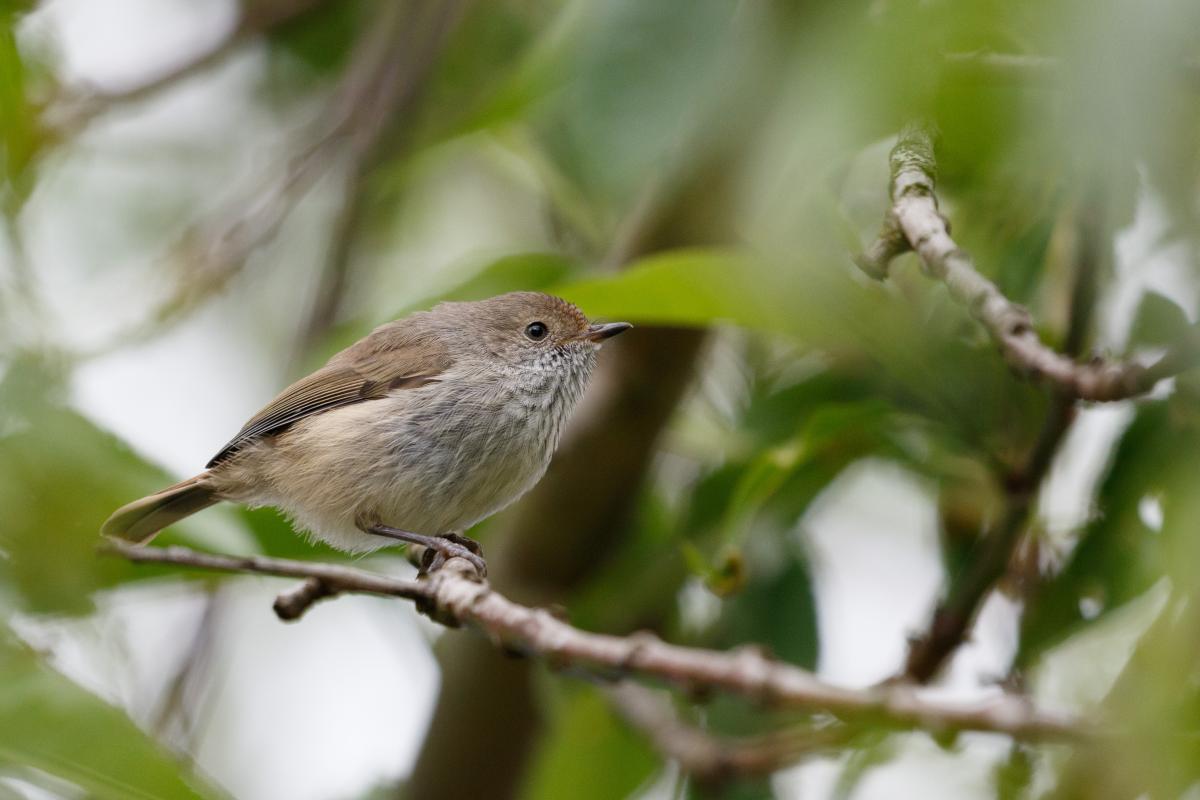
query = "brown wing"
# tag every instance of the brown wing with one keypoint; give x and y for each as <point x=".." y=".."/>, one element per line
<point x="390" y="358"/>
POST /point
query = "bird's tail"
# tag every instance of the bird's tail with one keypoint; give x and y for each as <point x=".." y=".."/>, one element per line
<point x="140" y="520"/>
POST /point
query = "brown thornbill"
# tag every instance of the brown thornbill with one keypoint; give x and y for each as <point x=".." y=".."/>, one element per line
<point x="416" y="432"/>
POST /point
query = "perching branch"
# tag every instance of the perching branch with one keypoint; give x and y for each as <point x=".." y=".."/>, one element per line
<point x="455" y="595"/>
<point x="914" y="222"/>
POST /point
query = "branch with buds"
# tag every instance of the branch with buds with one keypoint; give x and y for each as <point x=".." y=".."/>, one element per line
<point x="455" y="596"/>
<point x="914" y="223"/>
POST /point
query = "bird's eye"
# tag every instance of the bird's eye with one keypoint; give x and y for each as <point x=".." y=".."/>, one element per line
<point x="536" y="331"/>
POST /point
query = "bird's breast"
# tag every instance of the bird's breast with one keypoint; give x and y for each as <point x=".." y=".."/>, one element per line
<point x="470" y="450"/>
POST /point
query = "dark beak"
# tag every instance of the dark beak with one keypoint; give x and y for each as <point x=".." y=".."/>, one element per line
<point x="598" y="333"/>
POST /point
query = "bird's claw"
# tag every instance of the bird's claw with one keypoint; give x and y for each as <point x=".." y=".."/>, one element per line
<point x="444" y="548"/>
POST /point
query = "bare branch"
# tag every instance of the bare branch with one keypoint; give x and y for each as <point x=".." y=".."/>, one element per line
<point x="994" y="556"/>
<point x="710" y="759"/>
<point x="455" y="595"/>
<point x="292" y="605"/>
<point x="914" y="214"/>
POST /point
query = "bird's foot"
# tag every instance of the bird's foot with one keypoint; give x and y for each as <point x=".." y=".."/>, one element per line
<point x="453" y="545"/>
<point x="438" y="549"/>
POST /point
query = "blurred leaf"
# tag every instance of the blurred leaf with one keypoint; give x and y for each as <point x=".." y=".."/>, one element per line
<point x="831" y="437"/>
<point x="1118" y="556"/>
<point x="1159" y="321"/>
<point x="60" y="478"/>
<point x="647" y="568"/>
<point x="502" y="57"/>
<point x="725" y="575"/>
<point x="1014" y="775"/>
<point x="18" y="130"/>
<point x="588" y="754"/>
<point x="321" y="39"/>
<point x="693" y="287"/>
<point x="522" y="271"/>
<point x="777" y="610"/>
<point x="910" y="355"/>
<point x="50" y="724"/>
<point x="875" y="750"/>
<point x="757" y="788"/>
<point x="275" y="536"/>
<point x="640" y="76"/>
<point x="510" y="273"/>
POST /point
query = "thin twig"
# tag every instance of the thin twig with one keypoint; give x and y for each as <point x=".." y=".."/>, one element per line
<point x="387" y="68"/>
<point x="954" y="616"/>
<point x="1028" y="69"/>
<point x="709" y="759"/>
<point x="292" y="605"/>
<point x="455" y="595"/>
<point x="914" y="222"/>
<point x="75" y="108"/>
<point x="176" y="704"/>
<point x="1021" y="67"/>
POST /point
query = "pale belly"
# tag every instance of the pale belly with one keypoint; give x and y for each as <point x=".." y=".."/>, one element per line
<point x="428" y="468"/>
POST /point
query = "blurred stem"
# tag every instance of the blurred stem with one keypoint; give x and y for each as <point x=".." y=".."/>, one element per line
<point x="23" y="313"/>
<point x="177" y="702"/>
<point x="76" y="108"/>
<point x="1029" y="70"/>
<point x="393" y="56"/>
<point x="993" y="556"/>
<point x="712" y="761"/>
<point x="335" y="276"/>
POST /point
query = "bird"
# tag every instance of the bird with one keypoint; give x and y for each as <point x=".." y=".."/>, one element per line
<point x="426" y="426"/>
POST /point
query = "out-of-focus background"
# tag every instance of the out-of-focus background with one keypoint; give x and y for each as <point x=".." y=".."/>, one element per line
<point x="203" y="199"/>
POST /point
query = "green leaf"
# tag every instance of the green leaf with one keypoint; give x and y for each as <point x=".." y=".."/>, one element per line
<point x="877" y="749"/>
<point x="509" y="273"/>
<point x="320" y="39"/>
<point x="588" y="755"/>
<point x="910" y="351"/>
<point x="49" y="723"/>
<point x="694" y="287"/>
<point x="639" y="78"/>
<point x="60" y="478"/>
<point x="19" y="139"/>
<point x="502" y="57"/>
<point x="520" y="271"/>
<point x="776" y="610"/>
<point x="1159" y="321"/>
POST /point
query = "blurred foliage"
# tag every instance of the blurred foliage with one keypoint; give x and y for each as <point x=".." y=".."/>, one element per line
<point x="597" y="121"/>
<point x="616" y="763"/>
<point x="53" y="726"/>
<point x="60" y="476"/>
